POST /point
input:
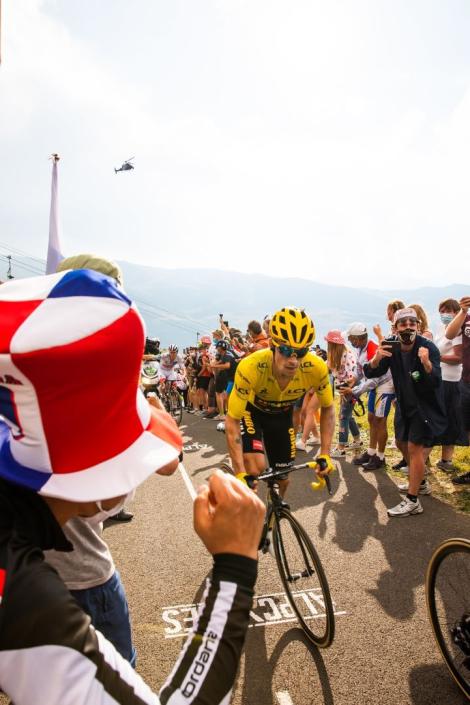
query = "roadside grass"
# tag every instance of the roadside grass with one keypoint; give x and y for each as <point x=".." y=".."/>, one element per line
<point x="442" y="487"/>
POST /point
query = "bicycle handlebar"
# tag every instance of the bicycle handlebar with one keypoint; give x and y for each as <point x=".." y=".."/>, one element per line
<point x="323" y="480"/>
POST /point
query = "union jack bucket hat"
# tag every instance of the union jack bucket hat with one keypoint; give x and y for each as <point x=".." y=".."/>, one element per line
<point x="73" y="421"/>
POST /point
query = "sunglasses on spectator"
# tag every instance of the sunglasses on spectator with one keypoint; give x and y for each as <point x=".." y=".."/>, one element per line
<point x="288" y="351"/>
<point x="407" y="321"/>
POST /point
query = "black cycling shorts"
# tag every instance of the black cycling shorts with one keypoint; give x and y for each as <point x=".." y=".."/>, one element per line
<point x="270" y="433"/>
<point x="220" y="381"/>
<point x="202" y="383"/>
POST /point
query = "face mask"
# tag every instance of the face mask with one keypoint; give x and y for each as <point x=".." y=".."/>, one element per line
<point x="446" y="318"/>
<point x="104" y="514"/>
<point x="407" y="336"/>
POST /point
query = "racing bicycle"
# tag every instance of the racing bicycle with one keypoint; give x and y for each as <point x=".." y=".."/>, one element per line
<point x="172" y="400"/>
<point x="299" y="565"/>
<point x="448" y="601"/>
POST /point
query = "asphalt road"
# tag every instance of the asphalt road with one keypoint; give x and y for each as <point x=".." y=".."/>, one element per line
<point x="383" y="652"/>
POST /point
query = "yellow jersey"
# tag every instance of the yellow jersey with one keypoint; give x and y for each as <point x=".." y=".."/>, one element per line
<point x="255" y="384"/>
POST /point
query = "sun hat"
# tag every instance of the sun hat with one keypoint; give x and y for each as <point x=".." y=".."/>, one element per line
<point x="404" y="313"/>
<point x="356" y="329"/>
<point x="206" y="340"/>
<point x="74" y="423"/>
<point x="88" y="261"/>
<point x="335" y="336"/>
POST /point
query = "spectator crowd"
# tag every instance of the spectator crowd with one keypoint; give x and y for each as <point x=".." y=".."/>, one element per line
<point x="56" y="490"/>
<point x="375" y="374"/>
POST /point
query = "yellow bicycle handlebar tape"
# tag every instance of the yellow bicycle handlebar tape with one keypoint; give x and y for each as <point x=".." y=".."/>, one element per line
<point x="247" y="479"/>
<point x="321" y="482"/>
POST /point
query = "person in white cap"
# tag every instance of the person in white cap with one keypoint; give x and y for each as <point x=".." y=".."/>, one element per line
<point x="380" y="397"/>
<point x="66" y="452"/>
<point x="414" y="362"/>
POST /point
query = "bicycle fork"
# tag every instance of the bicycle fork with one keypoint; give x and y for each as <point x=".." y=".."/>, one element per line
<point x="293" y="576"/>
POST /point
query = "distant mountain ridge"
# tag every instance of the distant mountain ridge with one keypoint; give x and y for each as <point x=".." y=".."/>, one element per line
<point x="177" y="304"/>
<point x="201" y="294"/>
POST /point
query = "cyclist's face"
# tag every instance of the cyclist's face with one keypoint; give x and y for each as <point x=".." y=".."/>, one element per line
<point x="287" y="366"/>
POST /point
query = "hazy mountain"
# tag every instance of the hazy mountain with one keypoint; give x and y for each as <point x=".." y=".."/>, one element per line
<point x="179" y="303"/>
<point x="195" y="297"/>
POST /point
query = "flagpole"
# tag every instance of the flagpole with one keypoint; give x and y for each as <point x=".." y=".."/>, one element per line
<point x="54" y="253"/>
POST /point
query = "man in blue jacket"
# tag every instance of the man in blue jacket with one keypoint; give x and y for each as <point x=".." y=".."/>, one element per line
<point x="414" y="362"/>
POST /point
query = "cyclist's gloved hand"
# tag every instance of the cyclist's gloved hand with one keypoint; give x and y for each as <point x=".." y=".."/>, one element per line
<point x="324" y="464"/>
<point x="250" y="481"/>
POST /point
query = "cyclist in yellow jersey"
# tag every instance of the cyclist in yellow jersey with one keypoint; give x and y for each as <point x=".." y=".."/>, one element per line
<point x="267" y="385"/>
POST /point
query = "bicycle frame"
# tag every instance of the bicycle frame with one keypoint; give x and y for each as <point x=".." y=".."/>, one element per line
<point x="275" y="503"/>
<point x="292" y="566"/>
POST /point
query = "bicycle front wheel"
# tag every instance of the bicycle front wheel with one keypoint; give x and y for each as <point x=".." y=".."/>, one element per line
<point x="175" y="405"/>
<point x="304" y="579"/>
<point x="448" y="601"/>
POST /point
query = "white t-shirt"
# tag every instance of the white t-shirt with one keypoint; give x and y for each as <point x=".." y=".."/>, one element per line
<point x="450" y="373"/>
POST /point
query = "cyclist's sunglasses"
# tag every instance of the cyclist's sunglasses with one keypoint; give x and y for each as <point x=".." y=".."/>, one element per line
<point x="288" y="351"/>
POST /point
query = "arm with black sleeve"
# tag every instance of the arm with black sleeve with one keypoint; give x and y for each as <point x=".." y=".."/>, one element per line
<point x="64" y="661"/>
<point x="433" y="378"/>
<point x="374" y="369"/>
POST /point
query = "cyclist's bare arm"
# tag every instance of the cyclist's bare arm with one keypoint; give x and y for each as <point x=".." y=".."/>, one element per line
<point x="234" y="443"/>
<point x="327" y="428"/>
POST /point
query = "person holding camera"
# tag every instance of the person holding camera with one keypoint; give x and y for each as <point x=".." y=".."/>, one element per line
<point x="414" y="362"/>
<point x="258" y="340"/>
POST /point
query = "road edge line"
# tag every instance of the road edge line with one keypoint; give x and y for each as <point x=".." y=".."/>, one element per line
<point x="187" y="481"/>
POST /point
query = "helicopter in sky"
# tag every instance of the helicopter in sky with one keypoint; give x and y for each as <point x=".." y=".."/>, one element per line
<point x="126" y="166"/>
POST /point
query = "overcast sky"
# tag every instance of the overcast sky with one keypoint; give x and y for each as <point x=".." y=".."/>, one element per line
<point x="326" y="139"/>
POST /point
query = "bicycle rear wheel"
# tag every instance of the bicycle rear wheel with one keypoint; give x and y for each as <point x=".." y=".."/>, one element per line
<point x="175" y="405"/>
<point x="448" y="601"/>
<point x="304" y="579"/>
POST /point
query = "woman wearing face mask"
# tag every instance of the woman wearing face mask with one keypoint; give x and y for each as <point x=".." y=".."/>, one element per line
<point x="451" y="367"/>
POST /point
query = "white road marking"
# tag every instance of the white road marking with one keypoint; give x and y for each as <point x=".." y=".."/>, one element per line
<point x="267" y="610"/>
<point x="187" y="481"/>
<point x="284" y="698"/>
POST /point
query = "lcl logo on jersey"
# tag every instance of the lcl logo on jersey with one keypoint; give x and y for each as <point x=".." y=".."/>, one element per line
<point x="306" y="364"/>
<point x="242" y="390"/>
<point x="296" y="391"/>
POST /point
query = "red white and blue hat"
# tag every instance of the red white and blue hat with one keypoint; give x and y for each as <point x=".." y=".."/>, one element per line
<point x="73" y="422"/>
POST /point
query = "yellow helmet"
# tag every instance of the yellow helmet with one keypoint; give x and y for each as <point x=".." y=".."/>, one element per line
<point x="292" y="326"/>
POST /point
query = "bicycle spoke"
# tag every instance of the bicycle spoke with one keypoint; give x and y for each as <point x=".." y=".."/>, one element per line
<point x="449" y="603"/>
<point x="304" y="580"/>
